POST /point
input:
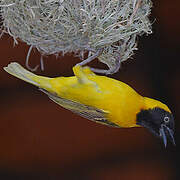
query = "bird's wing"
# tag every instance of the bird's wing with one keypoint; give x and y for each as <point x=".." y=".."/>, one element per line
<point x="91" y="113"/>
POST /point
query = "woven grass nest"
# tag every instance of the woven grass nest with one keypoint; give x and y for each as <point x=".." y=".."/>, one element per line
<point x="103" y="29"/>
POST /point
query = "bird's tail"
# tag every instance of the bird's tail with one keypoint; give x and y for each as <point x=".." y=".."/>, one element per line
<point x="18" y="71"/>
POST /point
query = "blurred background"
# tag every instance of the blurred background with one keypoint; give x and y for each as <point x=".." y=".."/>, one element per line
<point x="39" y="140"/>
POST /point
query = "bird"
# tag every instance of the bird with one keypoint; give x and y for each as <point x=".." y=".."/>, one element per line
<point x="102" y="99"/>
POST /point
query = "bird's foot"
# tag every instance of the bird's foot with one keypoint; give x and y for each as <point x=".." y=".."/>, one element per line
<point x="82" y="73"/>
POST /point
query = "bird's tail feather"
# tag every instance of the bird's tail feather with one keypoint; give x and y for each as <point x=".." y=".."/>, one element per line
<point x="18" y="71"/>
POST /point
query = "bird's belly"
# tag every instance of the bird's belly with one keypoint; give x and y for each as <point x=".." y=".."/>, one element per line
<point x="121" y="108"/>
<point x="120" y="101"/>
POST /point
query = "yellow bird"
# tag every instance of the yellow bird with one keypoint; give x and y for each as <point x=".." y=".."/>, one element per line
<point x="103" y="100"/>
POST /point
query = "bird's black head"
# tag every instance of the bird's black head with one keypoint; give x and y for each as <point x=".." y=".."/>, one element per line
<point x="159" y="122"/>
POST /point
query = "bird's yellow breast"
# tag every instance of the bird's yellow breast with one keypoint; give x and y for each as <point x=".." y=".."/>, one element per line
<point x="118" y="99"/>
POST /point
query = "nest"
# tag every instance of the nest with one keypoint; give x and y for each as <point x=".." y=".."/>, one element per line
<point x="106" y="29"/>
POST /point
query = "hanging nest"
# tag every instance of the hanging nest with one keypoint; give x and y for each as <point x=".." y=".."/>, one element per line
<point x="106" y="29"/>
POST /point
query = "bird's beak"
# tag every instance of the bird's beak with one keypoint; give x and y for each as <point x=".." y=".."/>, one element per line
<point x="166" y="132"/>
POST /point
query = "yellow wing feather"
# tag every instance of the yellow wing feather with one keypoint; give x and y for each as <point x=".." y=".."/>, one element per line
<point x="88" y="112"/>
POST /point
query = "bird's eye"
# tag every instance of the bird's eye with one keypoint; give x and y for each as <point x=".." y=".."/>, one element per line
<point x="166" y="119"/>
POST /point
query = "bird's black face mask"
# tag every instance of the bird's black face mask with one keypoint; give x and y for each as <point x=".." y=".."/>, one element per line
<point x="159" y="122"/>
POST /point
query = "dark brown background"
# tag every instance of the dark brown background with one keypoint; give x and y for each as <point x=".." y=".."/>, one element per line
<point x="40" y="140"/>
